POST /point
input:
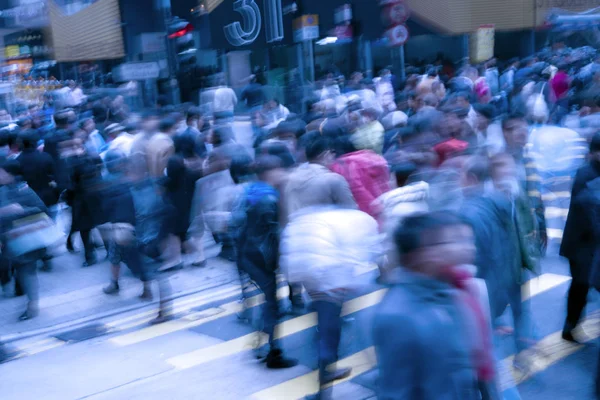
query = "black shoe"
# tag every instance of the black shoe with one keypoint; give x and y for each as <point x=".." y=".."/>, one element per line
<point x="70" y="247"/>
<point x="336" y="375"/>
<point x="161" y="318"/>
<point x="112" y="288"/>
<point x="29" y="314"/>
<point x="276" y="360"/>
<point x="6" y="354"/>
<point x="568" y="336"/>
<point x="89" y="262"/>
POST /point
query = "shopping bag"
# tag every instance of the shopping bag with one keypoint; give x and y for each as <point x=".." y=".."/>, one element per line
<point x="29" y="234"/>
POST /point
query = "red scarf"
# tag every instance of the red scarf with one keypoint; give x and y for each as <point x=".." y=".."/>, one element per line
<point x="483" y="354"/>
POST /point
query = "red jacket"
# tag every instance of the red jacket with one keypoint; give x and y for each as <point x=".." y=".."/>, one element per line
<point x="368" y="176"/>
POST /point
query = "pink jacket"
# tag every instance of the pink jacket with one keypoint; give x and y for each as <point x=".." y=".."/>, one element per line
<point x="368" y="176"/>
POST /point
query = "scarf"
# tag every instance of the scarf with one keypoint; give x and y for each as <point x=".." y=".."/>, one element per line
<point x="483" y="352"/>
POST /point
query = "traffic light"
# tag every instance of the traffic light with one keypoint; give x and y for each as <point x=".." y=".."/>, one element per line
<point x="180" y="35"/>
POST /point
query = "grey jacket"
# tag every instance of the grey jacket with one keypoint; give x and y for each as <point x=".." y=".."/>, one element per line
<point x="314" y="185"/>
<point x="422" y="342"/>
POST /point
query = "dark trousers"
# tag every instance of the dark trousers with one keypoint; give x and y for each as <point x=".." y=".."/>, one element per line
<point x="576" y="299"/>
<point x="87" y="243"/>
<point x="267" y="282"/>
<point x="330" y="331"/>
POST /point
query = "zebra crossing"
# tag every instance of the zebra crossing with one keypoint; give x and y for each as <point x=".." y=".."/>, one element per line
<point x="214" y="316"/>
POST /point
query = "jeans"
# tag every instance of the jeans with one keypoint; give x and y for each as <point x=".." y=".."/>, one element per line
<point x="330" y="331"/>
<point x="524" y="330"/>
<point x="87" y="243"/>
<point x="267" y="282"/>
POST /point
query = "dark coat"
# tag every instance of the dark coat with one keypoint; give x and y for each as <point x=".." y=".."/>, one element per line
<point x="38" y="171"/>
<point x="578" y="237"/>
<point x="85" y="185"/>
<point x="257" y="217"/>
<point x="51" y="146"/>
<point x="180" y="187"/>
<point x="498" y="257"/>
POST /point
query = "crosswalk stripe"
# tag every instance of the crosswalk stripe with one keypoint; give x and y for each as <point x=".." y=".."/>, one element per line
<point x="180" y="306"/>
<point x="541" y="284"/>
<point x="224" y="310"/>
<point x="546" y="353"/>
<point x="556" y="195"/>
<point x="555" y="212"/>
<point x="554" y="233"/>
<point x="284" y="329"/>
<point x="299" y="387"/>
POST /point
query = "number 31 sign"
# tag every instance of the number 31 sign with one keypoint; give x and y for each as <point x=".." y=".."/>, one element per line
<point x="240" y="34"/>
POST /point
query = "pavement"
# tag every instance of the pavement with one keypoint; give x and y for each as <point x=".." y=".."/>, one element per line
<point x="86" y="345"/>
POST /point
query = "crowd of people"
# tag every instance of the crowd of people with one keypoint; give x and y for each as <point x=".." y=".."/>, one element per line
<point x="433" y="179"/>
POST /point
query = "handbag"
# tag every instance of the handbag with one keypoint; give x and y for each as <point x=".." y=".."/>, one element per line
<point x="31" y="233"/>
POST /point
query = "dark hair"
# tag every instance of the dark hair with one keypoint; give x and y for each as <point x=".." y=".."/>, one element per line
<point x="345" y="145"/>
<point x="61" y="119"/>
<point x="265" y="163"/>
<point x="100" y="113"/>
<point x="166" y="124"/>
<point x="4" y="135"/>
<point x="316" y="145"/>
<point x="193" y="113"/>
<point x="511" y="117"/>
<point x="222" y="133"/>
<point x="29" y="138"/>
<point x="279" y="150"/>
<point x="185" y="145"/>
<point x="485" y="109"/>
<point x="409" y="235"/>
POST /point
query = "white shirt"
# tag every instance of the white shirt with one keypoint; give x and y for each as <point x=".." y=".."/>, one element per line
<point x="225" y="100"/>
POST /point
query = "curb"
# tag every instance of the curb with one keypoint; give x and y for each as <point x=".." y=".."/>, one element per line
<point x="70" y="325"/>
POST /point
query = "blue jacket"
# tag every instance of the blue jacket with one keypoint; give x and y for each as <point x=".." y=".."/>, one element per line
<point x="422" y="342"/>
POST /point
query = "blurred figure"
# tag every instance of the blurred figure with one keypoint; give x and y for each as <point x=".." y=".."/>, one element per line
<point x="94" y="142"/>
<point x="367" y="174"/>
<point x="160" y="148"/>
<point x="434" y="249"/>
<point x="327" y="249"/>
<point x="84" y="180"/>
<point x="253" y="95"/>
<point x="18" y="200"/>
<point x="224" y="98"/>
<point x="370" y="133"/>
<point x="578" y="245"/>
<point x="313" y="183"/>
<point x="255" y="220"/>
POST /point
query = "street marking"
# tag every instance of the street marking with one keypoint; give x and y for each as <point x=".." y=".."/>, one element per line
<point x="555" y="212"/>
<point x="541" y="284"/>
<point x="284" y="329"/>
<point x="224" y="310"/>
<point x="554" y="233"/>
<point x="41" y="346"/>
<point x="556" y="195"/>
<point x="180" y="306"/>
<point x="306" y="384"/>
<point x="547" y="352"/>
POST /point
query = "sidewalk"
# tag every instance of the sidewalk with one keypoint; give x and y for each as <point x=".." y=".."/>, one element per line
<point x="71" y="294"/>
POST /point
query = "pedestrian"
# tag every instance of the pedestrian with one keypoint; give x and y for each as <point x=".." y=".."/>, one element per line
<point x="325" y="248"/>
<point x="18" y="200"/>
<point x="578" y="244"/>
<point x="255" y="221"/>
<point x="443" y="351"/>
<point x="313" y="183"/>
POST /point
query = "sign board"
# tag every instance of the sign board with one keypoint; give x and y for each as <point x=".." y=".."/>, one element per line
<point x="397" y="35"/>
<point x="482" y="43"/>
<point x="137" y="71"/>
<point x="12" y="51"/>
<point x="152" y="42"/>
<point x="306" y="28"/>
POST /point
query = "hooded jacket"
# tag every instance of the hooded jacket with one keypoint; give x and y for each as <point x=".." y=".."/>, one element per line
<point x="314" y="185"/>
<point x="368" y="176"/>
